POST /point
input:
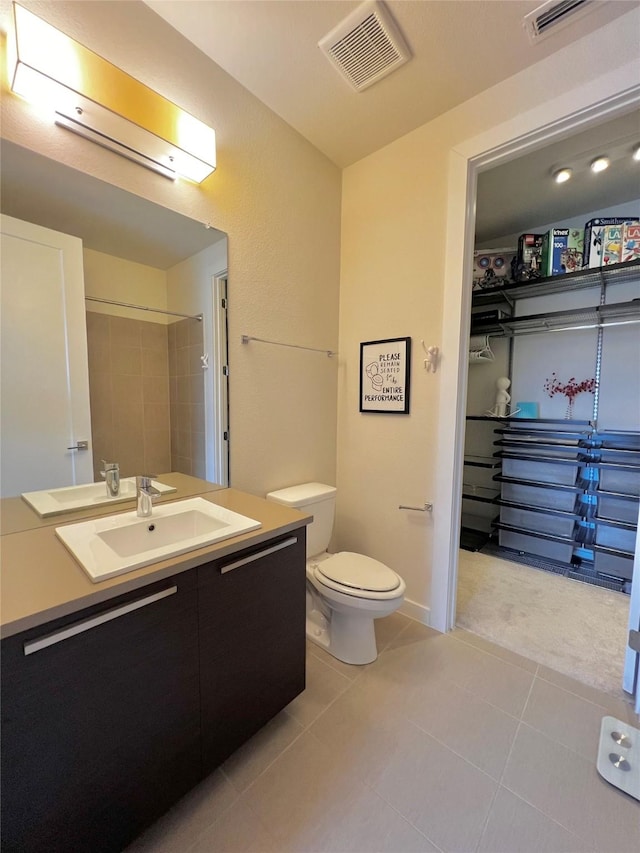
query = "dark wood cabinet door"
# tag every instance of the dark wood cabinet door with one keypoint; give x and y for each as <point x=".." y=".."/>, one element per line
<point x="101" y="728"/>
<point x="252" y="641"/>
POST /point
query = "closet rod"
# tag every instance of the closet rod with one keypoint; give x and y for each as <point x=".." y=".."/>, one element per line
<point x="247" y="338"/>
<point x="144" y="308"/>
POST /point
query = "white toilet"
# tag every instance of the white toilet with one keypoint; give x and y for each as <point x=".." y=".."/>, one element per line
<point x="345" y="591"/>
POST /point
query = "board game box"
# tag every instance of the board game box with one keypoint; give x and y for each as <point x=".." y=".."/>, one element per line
<point x="593" y="235"/>
<point x="630" y="242"/>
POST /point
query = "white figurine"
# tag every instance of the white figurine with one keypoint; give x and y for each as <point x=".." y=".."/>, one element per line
<point x="503" y="398"/>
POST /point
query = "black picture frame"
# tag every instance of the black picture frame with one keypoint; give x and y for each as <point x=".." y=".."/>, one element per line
<point x="385" y="376"/>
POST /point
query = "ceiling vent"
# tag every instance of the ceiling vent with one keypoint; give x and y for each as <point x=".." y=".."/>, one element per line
<point x="366" y="46"/>
<point x="553" y="15"/>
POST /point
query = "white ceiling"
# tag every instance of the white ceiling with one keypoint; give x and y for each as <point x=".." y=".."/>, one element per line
<point x="512" y="198"/>
<point x="459" y="48"/>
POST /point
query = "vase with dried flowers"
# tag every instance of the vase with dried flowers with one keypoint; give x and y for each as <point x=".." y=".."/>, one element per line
<point x="569" y="389"/>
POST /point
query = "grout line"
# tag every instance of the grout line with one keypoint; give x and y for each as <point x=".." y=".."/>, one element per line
<point x="403" y="817"/>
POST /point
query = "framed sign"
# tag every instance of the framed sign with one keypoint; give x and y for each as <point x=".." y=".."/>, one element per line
<point x="385" y="368"/>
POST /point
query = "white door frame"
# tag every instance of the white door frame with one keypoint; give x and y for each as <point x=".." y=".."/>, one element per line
<point x="597" y="100"/>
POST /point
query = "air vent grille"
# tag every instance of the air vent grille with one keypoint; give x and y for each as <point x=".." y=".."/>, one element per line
<point x="554" y="14"/>
<point x="366" y="46"/>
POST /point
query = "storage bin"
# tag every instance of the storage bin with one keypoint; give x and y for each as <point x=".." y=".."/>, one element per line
<point x="618" y="478"/>
<point x="616" y="536"/>
<point x="617" y="565"/>
<point x="540" y="470"/>
<point x="617" y="508"/>
<point x="540" y="522"/>
<point x="561" y="551"/>
<point x="537" y="496"/>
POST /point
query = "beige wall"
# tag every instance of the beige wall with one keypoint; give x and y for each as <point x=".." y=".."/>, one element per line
<point x="108" y="277"/>
<point x="278" y="199"/>
<point x="394" y="232"/>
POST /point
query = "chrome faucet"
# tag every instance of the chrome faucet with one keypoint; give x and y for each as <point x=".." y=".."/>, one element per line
<point x="111" y="476"/>
<point x="145" y="494"/>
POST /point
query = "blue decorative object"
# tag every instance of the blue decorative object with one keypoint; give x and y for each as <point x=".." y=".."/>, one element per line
<point x="528" y="410"/>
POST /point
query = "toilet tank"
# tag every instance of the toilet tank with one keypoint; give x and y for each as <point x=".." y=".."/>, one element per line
<point x="318" y="500"/>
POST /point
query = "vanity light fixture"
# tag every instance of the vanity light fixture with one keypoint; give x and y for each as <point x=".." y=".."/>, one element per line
<point x="600" y="164"/>
<point x="100" y="102"/>
<point x="562" y="175"/>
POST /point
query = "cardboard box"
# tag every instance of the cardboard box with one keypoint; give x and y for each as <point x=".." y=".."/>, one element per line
<point x="562" y="251"/>
<point x="630" y="242"/>
<point x="492" y="267"/>
<point x="529" y="259"/>
<point x="593" y="235"/>
<point x="611" y="244"/>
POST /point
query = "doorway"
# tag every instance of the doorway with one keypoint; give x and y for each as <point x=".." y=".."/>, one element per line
<point x="466" y="162"/>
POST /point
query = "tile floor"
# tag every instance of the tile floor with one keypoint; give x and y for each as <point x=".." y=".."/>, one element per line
<point x="446" y="742"/>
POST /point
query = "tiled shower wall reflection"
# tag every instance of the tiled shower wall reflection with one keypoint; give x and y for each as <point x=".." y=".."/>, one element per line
<point x="186" y="395"/>
<point x="147" y="395"/>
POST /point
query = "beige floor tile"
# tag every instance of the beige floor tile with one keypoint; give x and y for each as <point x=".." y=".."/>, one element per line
<point x="567" y="788"/>
<point x="572" y="721"/>
<point x="239" y="830"/>
<point x="350" y="671"/>
<point x="301" y="791"/>
<point x="324" y="684"/>
<point x="441" y="794"/>
<point x="618" y="706"/>
<point x="414" y="632"/>
<point x="516" y="827"/>
<point x="252" y="759"/>
<point x="388" y="628"/>
<point x="363" y="728"/>
<point x="361" y="822"/>
<point x="184" y="823"/>
<point x="500" y="683"/>
<point x="468" y="725"/>
<point x="493" y="649"/>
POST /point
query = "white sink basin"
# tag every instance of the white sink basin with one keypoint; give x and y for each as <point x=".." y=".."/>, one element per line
<point x="115" y="544"/>
<point x="110" y="546"/>
<point x="55" y="501"/>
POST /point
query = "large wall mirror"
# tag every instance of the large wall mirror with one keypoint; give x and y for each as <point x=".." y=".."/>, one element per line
<point x="150" y="332"/>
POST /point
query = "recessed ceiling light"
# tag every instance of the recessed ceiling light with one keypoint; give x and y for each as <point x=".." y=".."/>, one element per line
<point x="562" y="175"/>
<point x="636" y="153"/>
<point x="600" y="164"/>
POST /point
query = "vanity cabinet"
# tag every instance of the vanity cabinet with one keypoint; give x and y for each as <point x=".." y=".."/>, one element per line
<point x="100" y="728"/>
<point x="252" y="649"/>
<point x="112" y="714"/>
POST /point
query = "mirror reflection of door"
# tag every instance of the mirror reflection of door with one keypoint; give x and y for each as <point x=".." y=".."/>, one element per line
<point x="156" y="370"/>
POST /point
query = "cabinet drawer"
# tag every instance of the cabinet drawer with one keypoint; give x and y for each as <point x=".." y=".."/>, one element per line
<point x="609" y="563"/>
<point x="617" y="507"/>
<point x="540" y="470"/>
<point x="561" y="551"/>
<point x="565" y="501"/>
<point x="540" y="522"/>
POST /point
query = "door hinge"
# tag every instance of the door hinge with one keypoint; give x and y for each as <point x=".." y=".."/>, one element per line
<point x="223" y="302"/>
<point x="225" y="435"/>
<point x="225" y="370"/>
<point x="634" y="641"/>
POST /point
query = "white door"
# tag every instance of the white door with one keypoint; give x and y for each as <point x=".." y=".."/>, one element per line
<point x="44" y="379"/>
<point x="632" y="658"/>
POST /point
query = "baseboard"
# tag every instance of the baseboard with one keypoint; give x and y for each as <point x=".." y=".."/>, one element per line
<point x="416" y="611"/>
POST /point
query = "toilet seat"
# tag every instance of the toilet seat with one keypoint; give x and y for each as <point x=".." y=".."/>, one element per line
<point x="357" y="575"/>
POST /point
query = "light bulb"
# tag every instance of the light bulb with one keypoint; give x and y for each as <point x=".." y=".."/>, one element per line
<point x="600" y="164"/>
<point x="636" y="153"/>
<point x="562" y="175"/>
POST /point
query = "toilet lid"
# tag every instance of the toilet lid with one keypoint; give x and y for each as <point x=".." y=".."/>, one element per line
<point x="358" y="572"/>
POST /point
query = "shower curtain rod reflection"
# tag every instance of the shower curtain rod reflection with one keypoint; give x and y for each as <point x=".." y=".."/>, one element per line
<point x="144" y="308"/>
<point x="246" y="338"/>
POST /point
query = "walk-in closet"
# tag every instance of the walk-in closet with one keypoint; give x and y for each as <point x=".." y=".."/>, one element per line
<point x="551" y="477"/>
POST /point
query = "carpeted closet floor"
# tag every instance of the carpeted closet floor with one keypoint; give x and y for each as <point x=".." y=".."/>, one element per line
<point x="575" y="628"/>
